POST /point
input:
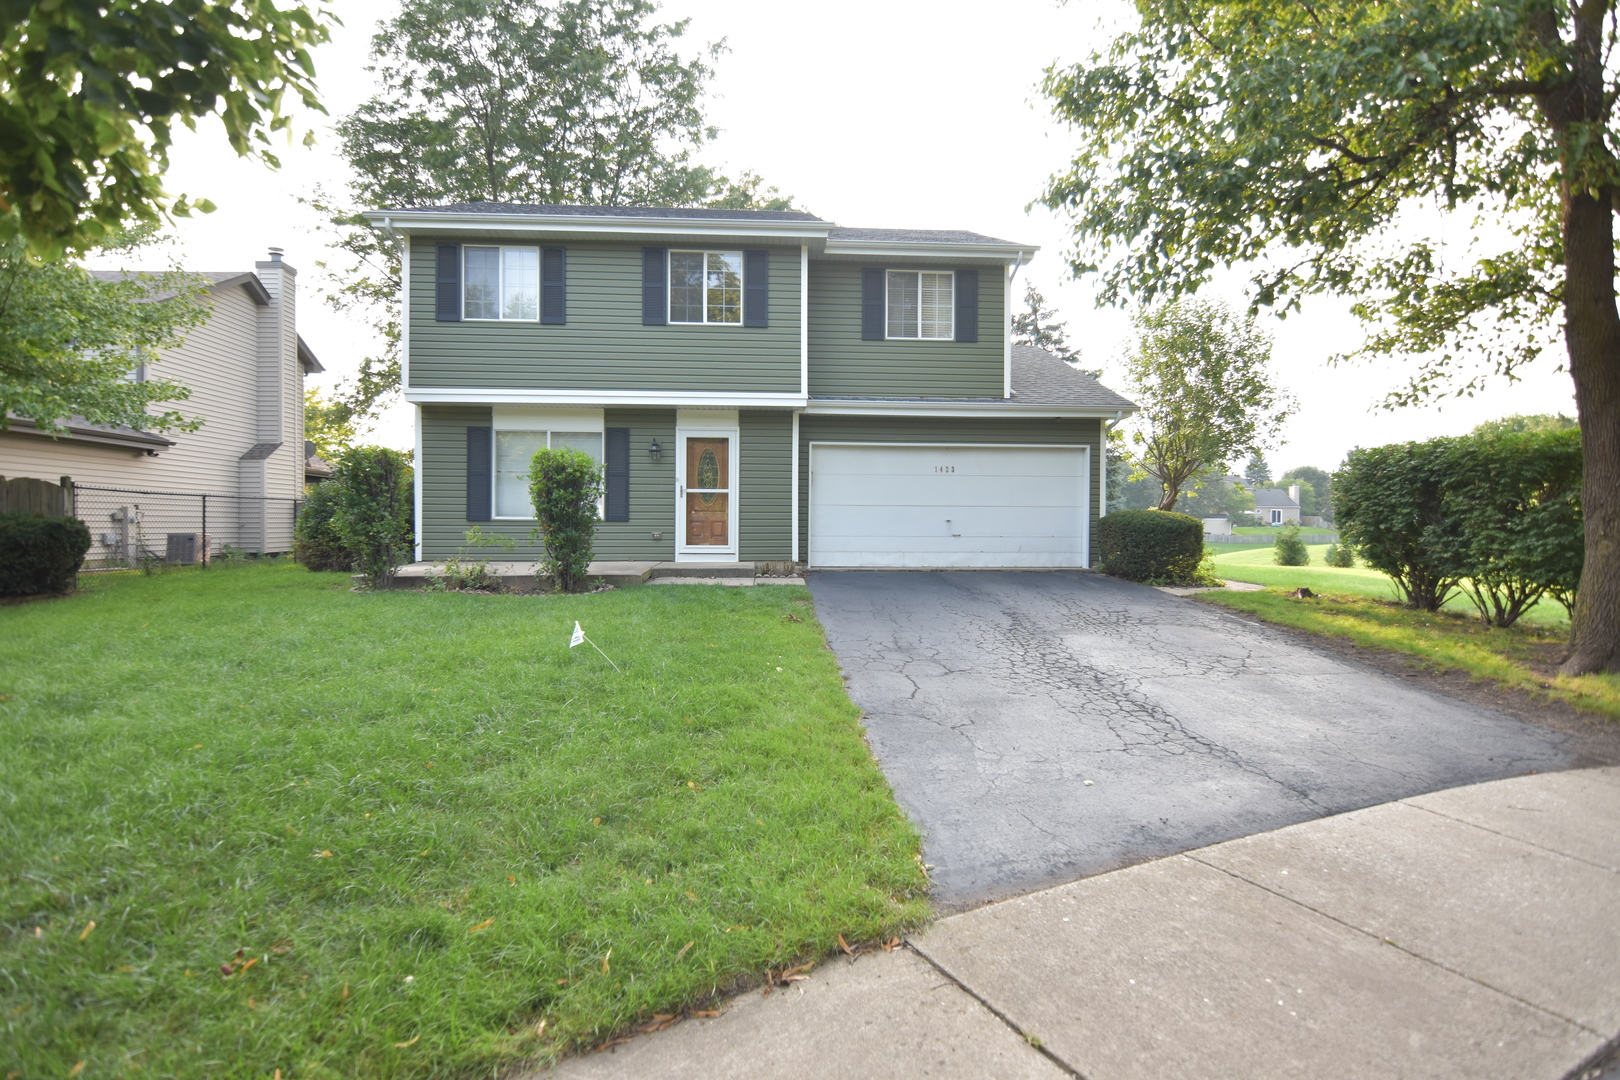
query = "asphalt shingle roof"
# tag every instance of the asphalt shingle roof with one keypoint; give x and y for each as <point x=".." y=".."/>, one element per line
<point x="916" y="236"/>
<point x="696" y="212"/>
<point x="1273" y="497"/>
<point x="1039" y="378"/>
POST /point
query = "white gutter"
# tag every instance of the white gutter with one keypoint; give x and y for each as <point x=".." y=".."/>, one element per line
<point x="605" y="224"/>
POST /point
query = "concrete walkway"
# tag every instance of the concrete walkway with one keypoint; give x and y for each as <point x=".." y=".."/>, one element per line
<point x="1468" y="933"/>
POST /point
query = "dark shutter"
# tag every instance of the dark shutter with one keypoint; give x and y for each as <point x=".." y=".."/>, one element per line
<point x="480" y="460"/>
<point x="616" y="475"/>
<point x="756" y="288"/>
<point x="872" y="304"/>
<point x="447" y="284"/>
<point x="967" y="305"/>
<point x="554" y="285"/>
<point x="654" y="286"/>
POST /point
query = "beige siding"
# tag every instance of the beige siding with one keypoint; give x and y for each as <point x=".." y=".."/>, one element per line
<point x="247" y="387"/>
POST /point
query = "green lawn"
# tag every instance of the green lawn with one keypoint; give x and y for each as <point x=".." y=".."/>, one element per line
<point x="1258" y="565"/>
<point x="413" y="826"/>
<point x="1522" y="656"/>
<point x="1272" y="530"/>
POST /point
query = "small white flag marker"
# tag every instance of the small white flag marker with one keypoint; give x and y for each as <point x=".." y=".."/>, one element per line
<point x="578" y="636"/>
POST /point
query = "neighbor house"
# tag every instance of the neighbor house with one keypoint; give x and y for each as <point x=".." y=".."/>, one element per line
<point x="245" y="369"/>
<point x="1275" y="506"/>
<point x="758" y="385"/>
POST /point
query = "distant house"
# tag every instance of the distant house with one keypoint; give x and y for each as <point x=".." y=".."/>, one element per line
<point x="1274" y="506"/>
<point x="245" y="369"/>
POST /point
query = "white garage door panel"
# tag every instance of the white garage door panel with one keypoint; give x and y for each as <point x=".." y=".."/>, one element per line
<point x="944" y="506"/>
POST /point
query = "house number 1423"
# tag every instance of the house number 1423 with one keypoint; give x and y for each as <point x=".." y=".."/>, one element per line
<point x="944" y="468"/>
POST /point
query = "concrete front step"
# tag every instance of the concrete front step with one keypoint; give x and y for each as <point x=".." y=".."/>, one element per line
<point x="520" y="576"/>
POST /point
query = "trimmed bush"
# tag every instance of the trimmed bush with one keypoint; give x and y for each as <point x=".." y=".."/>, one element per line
<point x="1340" y="556"/>
<point x="1288" y="548"/>
<point x="564" y="485"/>
<point x="40" y="554"/>
<point x="373" y="511"/>
<point x="1495" y="515"/>
<point x="1157" y="547"/>
<point x="316" y="542"/>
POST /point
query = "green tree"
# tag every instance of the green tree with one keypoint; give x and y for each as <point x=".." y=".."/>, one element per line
<point x="584" y="101"/>
<point x="372" y="513"/>
<point x="90" y="94"/>
<point x="1288" y="549"/>
<point x="77" y="344"/>
<point x="1520" y="422"/>
<point x="565" y="485"/>
<point x="1294" y="139"/>
<point x="1213" y="494"/>
<point x="1200" y="374"/>
<point x="1257" y="474"/>
<point x="1038" y="325"/>
<point x="330" y="425"/>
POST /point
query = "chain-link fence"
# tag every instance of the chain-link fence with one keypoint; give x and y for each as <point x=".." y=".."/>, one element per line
<point x="130" y="528"/>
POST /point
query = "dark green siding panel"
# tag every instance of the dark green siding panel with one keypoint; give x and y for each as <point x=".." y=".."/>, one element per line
<point x="444" y="490"/>
<point x="604" y="345"/>
<point x="841" y="364"/>
<point x="931" y="429"/>
<point x="765" y="476"/>
<point x="652" y="490"/>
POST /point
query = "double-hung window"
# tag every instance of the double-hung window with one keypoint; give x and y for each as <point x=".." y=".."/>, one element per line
<point x="705" y="287"/>
<point x="921" y="304"/>
<point x="514" y="450"/>
<point x="501" y="283"/>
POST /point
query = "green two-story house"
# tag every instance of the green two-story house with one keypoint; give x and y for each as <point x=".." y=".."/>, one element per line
<point x="758" y="386"/>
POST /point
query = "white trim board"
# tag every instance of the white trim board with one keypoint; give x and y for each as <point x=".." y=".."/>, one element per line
<point x="604" y="398"/>
<point x="700" y="426"/>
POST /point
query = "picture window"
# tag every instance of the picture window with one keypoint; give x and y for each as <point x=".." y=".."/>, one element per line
<point x="502" y="283"/>
<point x="514" y="451"/>
<point x="706" y="287"/>
<point x="921" y="304"/>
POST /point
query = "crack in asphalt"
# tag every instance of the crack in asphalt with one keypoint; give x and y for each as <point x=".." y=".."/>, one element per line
<point x="1044" y="726"/>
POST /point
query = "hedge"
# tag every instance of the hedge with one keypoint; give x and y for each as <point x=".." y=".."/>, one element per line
<point x="1496" y="516"/>
<point x="316" y="542"/>
<point x="40" y="554"/>
<point x="373" y="514"/>
<point x="1154" y="546"/>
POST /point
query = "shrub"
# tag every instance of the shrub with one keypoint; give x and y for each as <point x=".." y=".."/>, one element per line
<point x="1495" y="515"/>
<point x="464" y="573"/>
<point x="1157" y="547"/>
<point x="1389" y="504"/>
<point x="565" y="485"/>
<point x="1288" y="548"/>
<point x="316" y="542"/>
<point x="1341" y="556"/>
<point x="40" y="554"/>
<point x="373" y="512"/>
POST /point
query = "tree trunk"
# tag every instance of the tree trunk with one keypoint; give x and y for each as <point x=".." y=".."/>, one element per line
<point x="1592" y="335"/>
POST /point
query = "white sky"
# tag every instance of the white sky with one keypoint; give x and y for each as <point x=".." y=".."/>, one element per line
<point x="878" y="113"/>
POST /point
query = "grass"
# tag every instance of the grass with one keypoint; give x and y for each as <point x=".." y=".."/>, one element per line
<point x="1273" y="530"/>
<point x="1521" y="657"/>
<point x="412" y="827"/>
<point x="1257" y="566"/>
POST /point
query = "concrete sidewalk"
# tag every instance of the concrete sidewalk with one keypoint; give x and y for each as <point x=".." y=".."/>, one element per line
<point x="1468" y="933"/>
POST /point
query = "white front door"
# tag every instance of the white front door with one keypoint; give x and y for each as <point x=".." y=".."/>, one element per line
<point x="706" y="495"/>
<point x="949" y="506"/>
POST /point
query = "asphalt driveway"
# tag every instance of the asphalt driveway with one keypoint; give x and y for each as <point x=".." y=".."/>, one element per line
<point x="1042" y="727"/>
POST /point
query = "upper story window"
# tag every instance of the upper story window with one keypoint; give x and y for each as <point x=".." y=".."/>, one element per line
<point x="921" y="304"/>
<point x="501" y="283"/>
<point x="706" y="287"/>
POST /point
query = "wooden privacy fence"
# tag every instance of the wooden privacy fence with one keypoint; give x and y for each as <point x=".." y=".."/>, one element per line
<point x="24" y="495"/>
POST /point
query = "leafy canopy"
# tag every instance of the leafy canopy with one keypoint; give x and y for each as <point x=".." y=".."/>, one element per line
<point x="1199" y="372"/>
<point x="90" y="93"/>
<point x="584" y="101"/>
<point x="1296" y="137"/>
<point x="77" y="344"/>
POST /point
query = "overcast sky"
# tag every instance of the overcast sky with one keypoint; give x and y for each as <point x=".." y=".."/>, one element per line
<point x="879" y="113"/>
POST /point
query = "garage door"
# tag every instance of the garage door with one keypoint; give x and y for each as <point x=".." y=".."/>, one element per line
<point x="943" y="506"/>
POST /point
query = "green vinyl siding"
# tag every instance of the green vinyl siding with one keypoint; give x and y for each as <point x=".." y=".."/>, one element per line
<point x="604" y="345"/>
<point x="444" y="489"/>
<point x="948" y="430"/>
<point x="843" y="365"/>
<point x="765" y="480"/>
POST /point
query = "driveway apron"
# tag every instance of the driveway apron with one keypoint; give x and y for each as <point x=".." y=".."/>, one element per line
<point x="1041" y="727"/>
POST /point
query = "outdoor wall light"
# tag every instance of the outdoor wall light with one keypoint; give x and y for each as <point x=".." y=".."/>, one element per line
<point x="654" y="451"/>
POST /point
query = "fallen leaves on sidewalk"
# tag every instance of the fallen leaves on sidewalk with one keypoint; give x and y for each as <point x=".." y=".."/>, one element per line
<point x="774" y="979"/>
